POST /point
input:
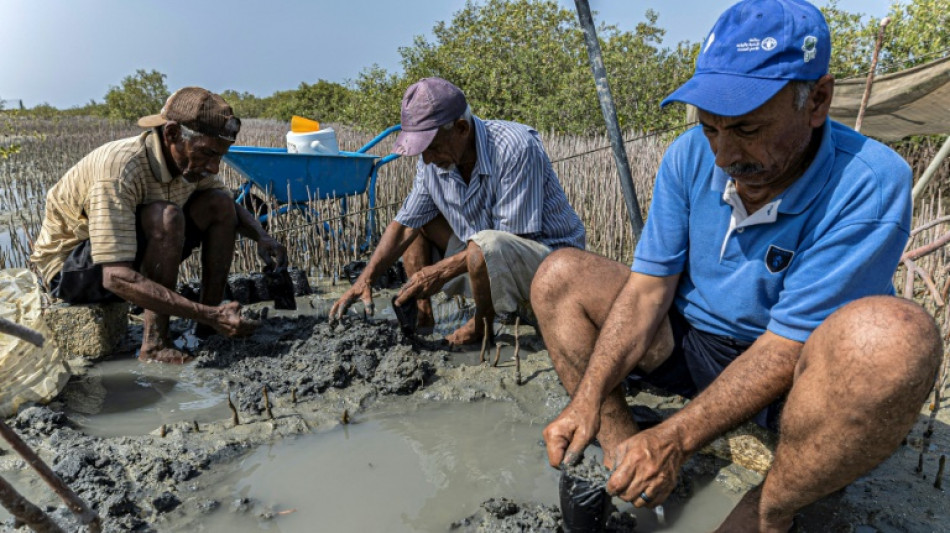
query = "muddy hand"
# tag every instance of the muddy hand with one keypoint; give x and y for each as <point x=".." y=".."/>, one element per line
<point x="273" y="253"/>
<point x="230" y="323"/>
<point x="646" y="466"/>
<point x="361" y="290"/>
<point x="570" y="433"/>
<point x="422" y="284"/>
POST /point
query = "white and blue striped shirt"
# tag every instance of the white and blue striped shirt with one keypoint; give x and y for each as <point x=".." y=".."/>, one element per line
<point x="513" y="189"/>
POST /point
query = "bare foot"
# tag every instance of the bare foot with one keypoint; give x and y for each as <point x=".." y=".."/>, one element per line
<point x="467" y="334"/>
<point x="745" y="517"/>
<point x="164" y="355"/>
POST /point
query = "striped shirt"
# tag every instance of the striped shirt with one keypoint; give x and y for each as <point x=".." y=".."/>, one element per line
<point x="97" y="199"/>
<point x="513" y="189"/>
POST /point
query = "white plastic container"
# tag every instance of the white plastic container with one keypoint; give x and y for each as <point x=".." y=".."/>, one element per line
<point x="313" y="142"/>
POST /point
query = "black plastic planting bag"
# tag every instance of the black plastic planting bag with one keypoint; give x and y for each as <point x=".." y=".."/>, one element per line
<point x="406" y="314"/>
<point x="584" y="503"/>
<point x="280" y="287"/>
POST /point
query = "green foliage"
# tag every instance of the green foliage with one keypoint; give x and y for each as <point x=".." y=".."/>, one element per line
<point x="323" y="101"/>
<point x="525" y="60"/>
<point x="919" y="32"/>
<point x="245" y="105"/>
<point x="143" y="93"/>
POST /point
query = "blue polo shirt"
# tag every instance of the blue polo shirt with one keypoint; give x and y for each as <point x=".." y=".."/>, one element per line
<point x="835" y="235"/>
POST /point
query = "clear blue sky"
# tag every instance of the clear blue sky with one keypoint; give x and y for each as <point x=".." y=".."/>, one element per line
<point x="66" y="52"/>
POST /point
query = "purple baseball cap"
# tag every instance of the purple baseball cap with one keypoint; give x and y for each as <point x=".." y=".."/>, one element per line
<point x="755" y="49"/>
<point x="427" y="105"/>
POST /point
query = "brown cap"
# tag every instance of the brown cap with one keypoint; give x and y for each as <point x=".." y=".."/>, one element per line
<point x="200" y="110"/>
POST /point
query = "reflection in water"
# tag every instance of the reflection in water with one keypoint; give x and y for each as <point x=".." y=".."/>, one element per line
<point x="123" y="396"/>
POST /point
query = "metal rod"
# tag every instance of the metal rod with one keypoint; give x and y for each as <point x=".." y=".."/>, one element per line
<point x="610" y="116"/>
<point x="86" y="515"/>
<point x="21" y="332"/>
<point x="867" y="86"/>
<point x="25" y="511"/>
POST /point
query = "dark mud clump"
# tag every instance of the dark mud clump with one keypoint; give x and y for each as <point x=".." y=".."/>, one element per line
<point x="504" y="515"/>
<point x="305" y="357"/>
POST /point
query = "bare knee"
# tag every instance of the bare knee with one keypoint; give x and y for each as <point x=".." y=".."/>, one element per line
<point x="553" y="278"/>
<point x="884" y="342"/>
<point x="163" y="221"/>
<point x="214" y="206"/>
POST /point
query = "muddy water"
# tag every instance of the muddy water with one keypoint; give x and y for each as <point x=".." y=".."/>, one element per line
<point x="419" y="471"/>
<point x="123" y="396"/>
<point x="392" y="472"/>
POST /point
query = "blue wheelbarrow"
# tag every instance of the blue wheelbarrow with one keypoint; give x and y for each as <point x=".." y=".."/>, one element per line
<point x="293" y="180"/>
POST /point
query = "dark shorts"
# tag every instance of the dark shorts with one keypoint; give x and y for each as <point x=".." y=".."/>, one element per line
<point x="697" y="359"/>
<point x="80" y="280"/>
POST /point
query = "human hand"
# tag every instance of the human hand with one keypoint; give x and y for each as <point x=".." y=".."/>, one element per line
<point x="422" y="284"/>
<point x="273" y="253"/>
<point x="361" y="290"/>
<point x="647" y="463"/>
<point x="570" y="433"/>
<point x="229" y="322"/>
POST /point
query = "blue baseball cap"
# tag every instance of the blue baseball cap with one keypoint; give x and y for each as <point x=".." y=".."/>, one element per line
<point x="755" y="49"/>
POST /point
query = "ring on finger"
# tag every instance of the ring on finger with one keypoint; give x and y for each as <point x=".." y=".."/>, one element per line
<point x="645" y="497"/>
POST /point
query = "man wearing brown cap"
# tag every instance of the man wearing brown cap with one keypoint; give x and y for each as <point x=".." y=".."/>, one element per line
<point x="485" y="199"/>
<point x="120" y="222"/>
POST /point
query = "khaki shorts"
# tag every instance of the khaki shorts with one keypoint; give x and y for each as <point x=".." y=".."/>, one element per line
<point x="511" y="261"/>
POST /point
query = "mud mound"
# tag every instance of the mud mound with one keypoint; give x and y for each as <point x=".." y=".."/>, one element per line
<point x="126" y="483"/>
<point x="503" y="515"/>
<point x="304" y="357"/>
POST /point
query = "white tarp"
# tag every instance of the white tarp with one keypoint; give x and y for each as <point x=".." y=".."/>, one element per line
<point x="27" y="373"/>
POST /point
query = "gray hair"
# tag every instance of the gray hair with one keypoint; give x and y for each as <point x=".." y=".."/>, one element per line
<point x="467" y="116"/>
<point x="803" y="89"/>
<point x="188" y="134"/>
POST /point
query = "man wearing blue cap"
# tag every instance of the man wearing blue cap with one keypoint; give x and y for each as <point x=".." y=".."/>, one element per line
<point x="761" y="286"/>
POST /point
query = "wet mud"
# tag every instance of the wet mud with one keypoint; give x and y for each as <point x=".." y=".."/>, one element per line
<point x="318" y="376"/>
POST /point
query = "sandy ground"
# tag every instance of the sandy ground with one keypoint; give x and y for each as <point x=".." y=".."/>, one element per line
<point x="318" y="376"/>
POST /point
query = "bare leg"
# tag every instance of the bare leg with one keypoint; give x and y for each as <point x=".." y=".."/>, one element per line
<point x="858" y="388"/>
<point x="571" y="295"/>
<point x="213" y="214"/>
<point x="474" y="329"/>
<point x="419" y="255"/>
<point x="164" y="227"/>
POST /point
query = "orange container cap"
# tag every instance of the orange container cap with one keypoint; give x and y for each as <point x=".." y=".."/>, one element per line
<point x="301" y="124"/>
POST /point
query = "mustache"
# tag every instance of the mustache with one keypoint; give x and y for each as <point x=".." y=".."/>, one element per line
<point x="743" y="168"/>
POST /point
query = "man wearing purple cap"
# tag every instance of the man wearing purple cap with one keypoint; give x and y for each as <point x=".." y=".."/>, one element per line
<point x="120" y="222"/>
<point x="485" y="199"/>
<point x="761" y="286"/>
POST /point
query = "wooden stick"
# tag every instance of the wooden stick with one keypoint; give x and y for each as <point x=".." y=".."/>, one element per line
<point x="867" y="86"/>
<point x="517" y="355"/>
<point x="86" y="515"/>
<point x="25" y="511"/>
<point x="270" y="415"/>
<point x="481" y="354"/>
<point x="21" y="332"/>
<point x="497" y="354"/>
<point x="234" y="414"/>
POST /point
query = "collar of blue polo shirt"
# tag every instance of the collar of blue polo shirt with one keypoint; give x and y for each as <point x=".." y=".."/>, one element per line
<point x="307" y="137"/>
